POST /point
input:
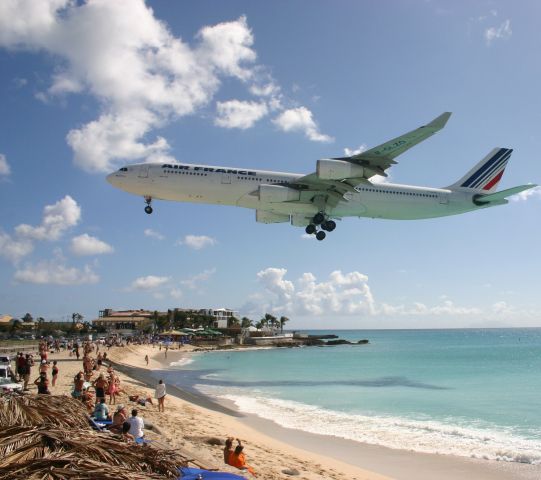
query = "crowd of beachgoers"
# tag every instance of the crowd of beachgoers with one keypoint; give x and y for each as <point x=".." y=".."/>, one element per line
<point x="116" y="404"/>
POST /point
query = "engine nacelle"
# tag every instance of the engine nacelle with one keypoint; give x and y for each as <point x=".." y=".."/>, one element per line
<point x="277" y="193"/>
<point x="263" y="216"/>
<point x="338" y="170"/>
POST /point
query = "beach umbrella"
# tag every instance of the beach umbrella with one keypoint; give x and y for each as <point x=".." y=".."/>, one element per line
<point x="197" y="473"/>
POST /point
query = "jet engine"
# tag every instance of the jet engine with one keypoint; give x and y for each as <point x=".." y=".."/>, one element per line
<point x="338" y="170"/>
<point x="277" y="193"/>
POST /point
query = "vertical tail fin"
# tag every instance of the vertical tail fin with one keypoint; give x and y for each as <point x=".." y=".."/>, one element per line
<point x="486" y="175"/>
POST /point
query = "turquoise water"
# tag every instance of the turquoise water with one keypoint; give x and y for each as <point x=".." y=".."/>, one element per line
<point x="466" y="392"/>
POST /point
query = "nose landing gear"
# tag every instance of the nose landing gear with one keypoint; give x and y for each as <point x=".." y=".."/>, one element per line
<point x="148" y="208"/>
<point x="320" y="219"/>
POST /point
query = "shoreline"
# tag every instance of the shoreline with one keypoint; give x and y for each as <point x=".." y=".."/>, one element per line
<point x="394" y="463"/>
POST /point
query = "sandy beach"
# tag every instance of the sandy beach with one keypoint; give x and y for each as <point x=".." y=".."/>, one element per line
<point x="190" y="420"/>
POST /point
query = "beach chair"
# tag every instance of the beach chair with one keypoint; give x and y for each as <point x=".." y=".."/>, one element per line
<point x="187" y="473"/>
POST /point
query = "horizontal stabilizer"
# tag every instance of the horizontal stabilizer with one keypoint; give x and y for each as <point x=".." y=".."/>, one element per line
<point x="502" y="195"/>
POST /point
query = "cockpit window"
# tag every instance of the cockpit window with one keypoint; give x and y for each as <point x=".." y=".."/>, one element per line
<point x="123" y="169"/>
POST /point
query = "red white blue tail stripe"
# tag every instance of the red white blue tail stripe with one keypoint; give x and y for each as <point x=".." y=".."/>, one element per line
<point x="487" y="176"/>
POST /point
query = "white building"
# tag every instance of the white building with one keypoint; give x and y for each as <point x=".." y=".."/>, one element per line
<point x="221" y="316"/>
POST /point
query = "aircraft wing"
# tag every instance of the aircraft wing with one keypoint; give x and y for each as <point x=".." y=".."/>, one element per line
<point x="374" y="161"/>
<point x="382" y="156"/>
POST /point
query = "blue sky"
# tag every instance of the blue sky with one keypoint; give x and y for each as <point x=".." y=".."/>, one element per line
<point x="88" y="86"/>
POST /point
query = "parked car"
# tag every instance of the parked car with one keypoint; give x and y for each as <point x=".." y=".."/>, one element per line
<point x="7" y="380"/>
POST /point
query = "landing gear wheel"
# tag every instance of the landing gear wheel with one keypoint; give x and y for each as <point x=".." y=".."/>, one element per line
<point x="329" y="225"/>
<point x="318" y="218"/>
<point x="310" y="229"/>
<point x="321" y="235"/>
<point x="148" y="208"/>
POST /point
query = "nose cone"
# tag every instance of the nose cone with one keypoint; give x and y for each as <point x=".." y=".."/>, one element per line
<point x="112" y="179"/>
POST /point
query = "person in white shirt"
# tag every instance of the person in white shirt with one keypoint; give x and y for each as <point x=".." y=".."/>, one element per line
<point x="136" y="425"/>
<point x="160" y="395"/>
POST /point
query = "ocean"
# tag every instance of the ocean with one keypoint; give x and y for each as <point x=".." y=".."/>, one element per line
<point x="466" y="392"/>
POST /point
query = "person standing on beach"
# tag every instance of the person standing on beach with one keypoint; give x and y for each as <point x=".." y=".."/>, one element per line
<point x="42" y="384"/>
<point x="27" y="370"/>
<point x="100" y="384"/>
<point x="146" y="359"/>
<point x="160" y="395"/>
<point x="54" y="372"/>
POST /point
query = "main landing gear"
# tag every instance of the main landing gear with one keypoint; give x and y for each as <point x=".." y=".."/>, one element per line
<point x="326" y="226"/>
<point x="148" y="208"/>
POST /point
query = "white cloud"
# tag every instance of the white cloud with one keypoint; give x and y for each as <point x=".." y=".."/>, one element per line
<point x="193" y="282"/>
<point x="198" y="242"/>
<point x="87" y="245"/>
<point x="57" y="218"/>
<point x="238" y="114"/>
<point x="153" y="234"/>
<point x="527" y="194"/>
<point x="149" y="282"/>
<point x="55" y="272"/>
<point x="4" y="165"/>
<point x="300" y="119"/>
<point x="349" y="294"/>
<point x="503" y="32"/>
<point x="141" y="74"/>
<point x="349" y="152"/>
<point x="14" y="249"/>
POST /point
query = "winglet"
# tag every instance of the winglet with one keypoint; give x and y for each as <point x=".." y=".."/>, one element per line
<point x="439" y="122"/>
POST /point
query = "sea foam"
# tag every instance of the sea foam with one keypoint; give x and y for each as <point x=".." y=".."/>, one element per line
<point x="426" y="436"/>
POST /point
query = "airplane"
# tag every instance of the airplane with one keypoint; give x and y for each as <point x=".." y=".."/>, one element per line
<point x="340" y="187"/>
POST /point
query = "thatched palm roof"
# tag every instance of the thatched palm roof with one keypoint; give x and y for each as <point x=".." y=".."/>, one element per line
<point x="48" y="437"/>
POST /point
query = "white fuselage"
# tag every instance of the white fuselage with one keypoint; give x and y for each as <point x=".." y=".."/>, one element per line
<point x="239" y="187"/>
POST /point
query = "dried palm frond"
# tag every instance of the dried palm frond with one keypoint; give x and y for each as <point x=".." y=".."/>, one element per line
<point x="68" y="468"/>
<point x="22" y="447"/>
<point x="59" y="410"/>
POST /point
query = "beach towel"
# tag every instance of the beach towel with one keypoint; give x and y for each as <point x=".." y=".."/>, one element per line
<point x="196" y="474"/>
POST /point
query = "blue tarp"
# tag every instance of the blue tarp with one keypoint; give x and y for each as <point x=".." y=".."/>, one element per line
<point x="197" y="473"/>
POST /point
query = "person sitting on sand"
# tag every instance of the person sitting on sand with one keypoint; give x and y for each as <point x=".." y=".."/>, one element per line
<point x="136" y="425"/>
<point x="119" y="417"/>
<point x="42" y="383"/>
<point x="101" y="411"/>
<point x="125" y="433"/>
<point x="238" y="459"/>
<point x="228" y="449"/>
<point x="87" y="399"/>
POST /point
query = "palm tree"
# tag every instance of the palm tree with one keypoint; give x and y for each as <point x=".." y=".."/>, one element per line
<point x="270" y="320"/>
<point x="246" y="322"/>
<point x="283" y="321"/>
<point x="76" y="318"/>
<point x="233" y="322"/>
